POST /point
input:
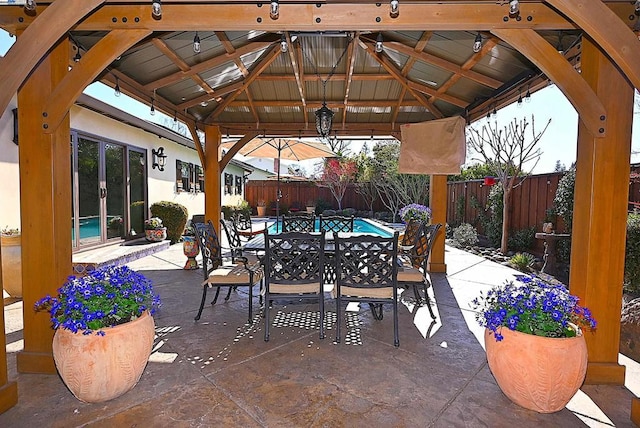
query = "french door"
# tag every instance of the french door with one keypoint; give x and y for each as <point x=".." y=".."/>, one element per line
<point x="109" y="183"/>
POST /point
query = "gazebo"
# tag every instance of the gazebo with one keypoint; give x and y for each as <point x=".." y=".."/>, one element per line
<point x="335" y="68"/>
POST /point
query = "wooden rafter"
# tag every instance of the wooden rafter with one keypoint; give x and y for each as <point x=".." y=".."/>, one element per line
<point x="228" y="46"/>
<point x="419" y="47"/>
<point x="348" y="78"/>
<point x="330" y="104"/>
<point x="393" y="70"/>
<point x="297" y="71"/>
<point x="252" y="107"/>
<point x="265" y="62"/>
<point x="313" y="78"/>
<point x="206" y="65"/>
<point x="205" y="98"/>
<point x="162" y="46"/>
<point x="236" y="148"/>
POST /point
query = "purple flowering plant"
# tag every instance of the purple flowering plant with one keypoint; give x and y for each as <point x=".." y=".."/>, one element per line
<point x="415" y="211"/>
<point x="532" y="306"/>
<point x="105" y="297"/>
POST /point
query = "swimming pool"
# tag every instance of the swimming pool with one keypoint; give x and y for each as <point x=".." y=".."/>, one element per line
<point x="361" y="225"/>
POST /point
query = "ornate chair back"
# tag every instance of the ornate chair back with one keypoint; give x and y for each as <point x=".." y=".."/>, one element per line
<point x="298" y="223"/>
<point x="336" y="223"/>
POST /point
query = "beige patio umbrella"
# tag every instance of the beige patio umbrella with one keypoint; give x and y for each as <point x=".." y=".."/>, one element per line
<point x="283" y="148"/>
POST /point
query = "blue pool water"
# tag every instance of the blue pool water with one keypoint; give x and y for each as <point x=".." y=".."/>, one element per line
<point x="359" y="225"/>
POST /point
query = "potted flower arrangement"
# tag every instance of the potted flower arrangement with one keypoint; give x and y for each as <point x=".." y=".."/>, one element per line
<point x="190" y="248"/>
<point x="261" y="208"/>
<point x="104" y="331"/>
<point x="525" y="320"/>
<point x="416" y="212"/>
<point x="154" y="231"/>
<point x="10" y="239"/>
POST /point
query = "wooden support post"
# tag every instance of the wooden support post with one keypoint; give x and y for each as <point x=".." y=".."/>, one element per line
<point x="212" y="197"/>
<point x="45" y="207"/>
<point x="8" y="390"/>
<point x="635" y="410"/>
<point x="600" y="212"/>
<point x="438" y="203"/>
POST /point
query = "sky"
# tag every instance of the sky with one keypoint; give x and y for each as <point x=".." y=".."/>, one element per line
<point x="557" y="144"/>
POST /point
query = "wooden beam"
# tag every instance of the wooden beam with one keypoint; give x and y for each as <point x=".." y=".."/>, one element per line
<point x="252" y="107"/>
<point x="393" y="70"/>
<point x="206" y="65"/>
<point x="600" y="213"/>
<point x="443" y="64"/>
<point x="437" y="95"/>
<point x="8" y="389"/>
<point x="314" y="78"/>
<point x="193" y="129"/>
<point x="212" y="188"/>
<point x="487" y="46"/>
<point x="608" y="30"/>
<point x="558" y="69"/>
<point x="356" y="16"/>
<point x="45" y="208"/>
<point x="236" y="148"/>
<point x="262" y="65"/>
<point x="103" y="53"/>
<point x="288" y="129"/>
<point x="51" y="24"/>
<point x="220" y="92"/>
<point x="297" y="71"/>
<point x="330" y="104"/>
<point x="348" y="78"/>
<point x="228" y="46"/>
<point x="396" y="108"/>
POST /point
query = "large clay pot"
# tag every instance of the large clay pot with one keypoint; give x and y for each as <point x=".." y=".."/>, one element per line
<point x="535" y="372"/>
<point x="156" y="235"/>
<point x="11" y="265"/>
<point x="261" y="210"/>
<point x="99" y="368"/>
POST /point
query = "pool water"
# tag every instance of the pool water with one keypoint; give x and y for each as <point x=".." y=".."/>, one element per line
<point x="360" y="225"/>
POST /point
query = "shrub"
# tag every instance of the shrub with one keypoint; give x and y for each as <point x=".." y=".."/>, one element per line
<point x="174" y="217"/>
<point x="522" y="261"/>
<point x="563" y="201"/>
<point x="522" y="239"/>
<point x="632" y="256"/>
<point x="492" y="220"/>
<point x="322" y="205"/>
<point x="348" y="212"/>
<point x="465" y="235"/>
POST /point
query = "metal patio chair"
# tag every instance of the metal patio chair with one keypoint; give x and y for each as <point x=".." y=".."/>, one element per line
<point x="294" y="264"/>
<point x="299" y="223"/>
<point x="336" y="223"/>
<point x="218" y="273"/>
<point x="412" y="271"/>
<point x="367" y="272"/>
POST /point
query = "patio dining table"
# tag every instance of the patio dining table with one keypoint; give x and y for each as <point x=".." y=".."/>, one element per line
<point x="256" y="244"/>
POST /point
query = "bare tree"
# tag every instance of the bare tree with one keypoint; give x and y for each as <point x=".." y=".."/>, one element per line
<point x="509" y="149"/>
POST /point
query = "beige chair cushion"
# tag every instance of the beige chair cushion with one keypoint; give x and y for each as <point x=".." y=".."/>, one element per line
<point x="377" y="293"/>
<point x="410" y="274"/>
<point x="313" y="287"/>
<point x="235" y="274"/>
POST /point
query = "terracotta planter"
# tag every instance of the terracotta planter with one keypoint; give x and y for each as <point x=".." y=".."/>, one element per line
<point x="537" y="373"/>
<point x="156" y="235"/>
<point x="100" y="368"/>
<point x="191" y="250"/>
<point x="12" y="265"/>
<point x="262" y="211"/>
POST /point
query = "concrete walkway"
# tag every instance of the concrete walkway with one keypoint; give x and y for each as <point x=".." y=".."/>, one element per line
<point x="220" y="372"/>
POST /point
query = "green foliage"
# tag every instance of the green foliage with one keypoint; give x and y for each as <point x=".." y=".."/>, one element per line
<point x="522" y="239"/>
<point x="322" y="205"/>
<point x="632" y="256"/>
<point x="563" y="201"/>
<point x="492" y="219"/>
<point x="522" y="261"/>
<point x="465" y="235"/>
<point x="460" y="209"/>
<point x="174" y="217"/>
<point x="475" y="172"/>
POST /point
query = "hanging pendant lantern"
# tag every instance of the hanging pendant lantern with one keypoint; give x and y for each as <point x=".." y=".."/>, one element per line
<point x="324" y="119"/>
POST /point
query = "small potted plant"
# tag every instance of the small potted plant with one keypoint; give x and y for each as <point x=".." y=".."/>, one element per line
<point x="261" y="208"/>
<point x="311" y="206"/>
<point x="10" y="239"/>
<point x="154" y="231"/>
<point x="104" y="331"/>
<point x="525" y="320"/>
<point x="415" y="212"/>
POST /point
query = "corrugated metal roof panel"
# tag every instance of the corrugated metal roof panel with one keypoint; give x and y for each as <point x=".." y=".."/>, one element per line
<point x="223" y="75"/>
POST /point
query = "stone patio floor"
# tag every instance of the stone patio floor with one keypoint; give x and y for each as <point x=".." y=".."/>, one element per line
<point x="220" y="372"/>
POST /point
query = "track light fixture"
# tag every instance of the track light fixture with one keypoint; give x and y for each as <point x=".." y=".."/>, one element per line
<point x="30" y="5"/>
<point x="514" y="8"/>
<point x="116" y="90"/>
<point x="394" y="9"/>
<point x="379" y="42"/>
<point x="196" y="43"/>
<point x="274" y="11"/>
<point x="156" y="9"/>
<point x="477" y="44"/>
<point x="284" y="47"/>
